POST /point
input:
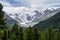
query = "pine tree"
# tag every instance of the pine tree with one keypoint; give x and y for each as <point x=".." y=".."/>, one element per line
<point x="58" y="34"/>
<point x="1" y="34"/>
<point x="1" y="7"/>
<point x="9" y="32"/>
<point x="15" y="28"/>
<point x="29" y="34"/>
<point x="5" y="36"/>
<point x="14" y="32"/>
<point x="50" y="34"/>
<point x="36" y="34"/>
<point x="21" y="34"/>
<point x="2" y="20"/>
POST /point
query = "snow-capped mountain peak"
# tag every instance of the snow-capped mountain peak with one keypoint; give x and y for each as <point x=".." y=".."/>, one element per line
<point x="26" y="17"/>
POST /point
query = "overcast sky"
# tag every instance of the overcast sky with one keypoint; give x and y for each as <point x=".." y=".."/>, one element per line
<point x="31" y="3"/>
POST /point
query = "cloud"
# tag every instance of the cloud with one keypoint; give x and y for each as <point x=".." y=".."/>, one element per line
<point x="32" y="4"/>
<point x="5" y="3"/>
<point x="40" y="4"/>
<point x="22" y="11"/>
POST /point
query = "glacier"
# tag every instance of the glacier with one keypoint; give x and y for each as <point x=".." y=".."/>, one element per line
<point x="27" y="17"/>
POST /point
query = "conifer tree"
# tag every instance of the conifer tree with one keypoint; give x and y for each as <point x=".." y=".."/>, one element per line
<point x="15" y="28"/>
<point x="36" y="34"/>
<point x="5" y="36"/>
<point x="58" y="34"/>
<point x="49" y="35"/>
<point x="9" y="32"/>
<point x="14" y="31"/>
<point x="2" y="20"/>
<point x="1" y="34"/>
<point x="21" y="34"/>
<point x="29" y="34"/>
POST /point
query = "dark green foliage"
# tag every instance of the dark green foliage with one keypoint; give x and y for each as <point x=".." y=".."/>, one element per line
<point x="14" y="32"/>
<point x="2" y="20"/>
<point x="49" y="35"/>
<point x="21" y="34"/>
<point x="1" y="34"/>
<point x="54" y="21"/>
<point x="36" y="34"/>
<point x="58" y="34"/>
<point x="17" y="33"/>
<point x="29" y="34"/>
<point x="5" y="35"/>
<point x="1" y="7"/>
<point x="15" y="28"/>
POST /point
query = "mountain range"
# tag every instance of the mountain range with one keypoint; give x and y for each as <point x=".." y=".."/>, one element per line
<point x="26" y="19"/>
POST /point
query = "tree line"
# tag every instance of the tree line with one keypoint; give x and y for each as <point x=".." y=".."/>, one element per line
<point x="20" y="33"/>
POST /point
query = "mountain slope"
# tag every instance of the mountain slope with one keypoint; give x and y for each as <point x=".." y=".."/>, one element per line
<point x="54" y="22"/>
<point x="10" y="21"/>
<point x="29" y="18"/>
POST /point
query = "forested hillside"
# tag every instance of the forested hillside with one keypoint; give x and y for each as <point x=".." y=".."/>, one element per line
<point x="53" y="22"/>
